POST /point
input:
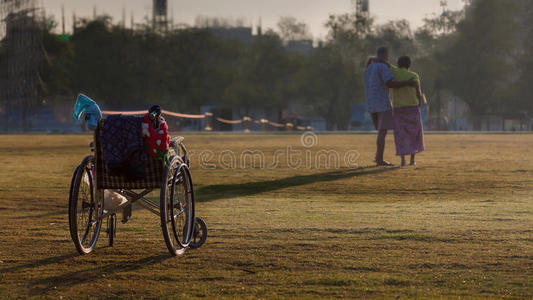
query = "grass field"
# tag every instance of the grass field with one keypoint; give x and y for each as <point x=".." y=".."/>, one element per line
<point x="458" y="225"/>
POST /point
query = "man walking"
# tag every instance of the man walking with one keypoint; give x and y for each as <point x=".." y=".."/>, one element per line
<point x="378" y="80"/>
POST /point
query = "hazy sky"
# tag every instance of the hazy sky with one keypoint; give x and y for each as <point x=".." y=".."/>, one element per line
<point x="313" y="12"/>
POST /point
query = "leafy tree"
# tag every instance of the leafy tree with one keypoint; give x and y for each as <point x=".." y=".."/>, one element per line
<point x="330" y="87"/>
<point x="433" y="41"/>
<point x="105" y="63"/>
<point x="350" y="34"/>
<point x="444" y="23"/>
<point x="263" y="75"/>
<point x="524" y="62"/>
<point x="395" y="35"/>
<point x="478" y="65"/>
<point x="293" y="30"/>
<point x="55" y="71"/>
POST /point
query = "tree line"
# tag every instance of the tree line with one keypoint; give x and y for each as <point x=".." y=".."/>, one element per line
<point x="480" y="54"/>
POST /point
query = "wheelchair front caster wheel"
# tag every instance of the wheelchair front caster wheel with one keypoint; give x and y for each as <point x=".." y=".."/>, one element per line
<point x="199" y="233"/>
<point x="111" y="229"/>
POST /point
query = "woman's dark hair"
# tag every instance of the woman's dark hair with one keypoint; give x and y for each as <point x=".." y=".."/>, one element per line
<point x="404" y="62"/>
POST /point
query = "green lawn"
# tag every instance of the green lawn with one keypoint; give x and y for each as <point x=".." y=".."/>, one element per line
<point x="458" y="225"/>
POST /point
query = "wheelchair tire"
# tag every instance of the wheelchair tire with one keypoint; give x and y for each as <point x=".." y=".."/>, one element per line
<point x="177" y="206"/>
<point x="199" y="234"/>
<point x="84" y="211"/>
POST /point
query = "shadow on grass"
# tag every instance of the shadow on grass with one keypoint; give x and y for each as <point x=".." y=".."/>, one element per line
<point x="92" y="274"/>
<point x="39" y="263"/>
<point x="45" y="215"/>
<point x="224" y="191"/>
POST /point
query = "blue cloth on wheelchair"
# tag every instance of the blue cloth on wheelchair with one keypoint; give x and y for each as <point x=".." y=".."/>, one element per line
<point x="123" y="147"/>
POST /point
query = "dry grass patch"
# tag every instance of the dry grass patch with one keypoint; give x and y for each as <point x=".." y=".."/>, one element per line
<point x="459" y="225"/>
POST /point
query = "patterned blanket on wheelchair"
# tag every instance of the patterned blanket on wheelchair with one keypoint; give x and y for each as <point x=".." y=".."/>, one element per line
<point x="123" y="147"/>
<point x="153" y="168"/>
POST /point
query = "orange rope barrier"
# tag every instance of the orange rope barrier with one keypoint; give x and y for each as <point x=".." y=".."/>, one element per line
<point x="234" y="122"/>
<point x="126" y="113"/>
<point x="183" y="115"/>
<point x="276" y="124"/>
<point x="190" y="116"/>
<point x="142" y="112"/>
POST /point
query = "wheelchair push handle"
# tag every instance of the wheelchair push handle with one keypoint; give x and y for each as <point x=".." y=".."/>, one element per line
<point x="154" y="115"/>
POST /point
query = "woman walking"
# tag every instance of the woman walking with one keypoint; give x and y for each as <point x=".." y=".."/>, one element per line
<point x="406" y="102"/>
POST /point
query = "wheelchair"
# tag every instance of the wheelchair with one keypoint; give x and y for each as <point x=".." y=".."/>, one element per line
<point x="87" y="212"/>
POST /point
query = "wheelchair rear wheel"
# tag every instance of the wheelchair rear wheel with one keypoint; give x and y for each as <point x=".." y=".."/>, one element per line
<point x="84" y="209"/>
<point x="177" y="206"/>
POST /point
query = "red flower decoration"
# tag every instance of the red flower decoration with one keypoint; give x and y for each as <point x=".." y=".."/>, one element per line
<point x="157" y="139"/>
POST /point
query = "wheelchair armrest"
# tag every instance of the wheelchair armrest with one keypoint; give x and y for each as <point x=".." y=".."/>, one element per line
<point x="176" y="141"/>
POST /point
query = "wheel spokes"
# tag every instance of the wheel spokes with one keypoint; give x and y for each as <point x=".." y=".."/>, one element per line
<point x="175" y="216"/>
<point x="196" y="233"/>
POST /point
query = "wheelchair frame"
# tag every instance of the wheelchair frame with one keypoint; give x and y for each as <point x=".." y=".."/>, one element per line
<point x="175" y="174"/>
